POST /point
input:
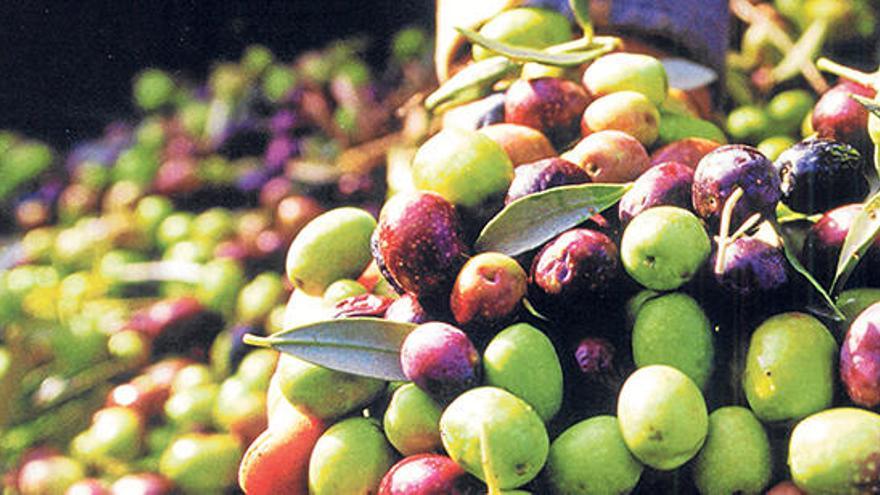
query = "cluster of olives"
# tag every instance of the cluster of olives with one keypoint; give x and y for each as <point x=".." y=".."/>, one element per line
<point x="148" y="253"/>
<point x="525" y="370"/>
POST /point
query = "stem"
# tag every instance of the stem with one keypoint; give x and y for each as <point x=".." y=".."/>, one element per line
<point x="845" y="72"/>
<point x="723" y="238"/>
<point x="746" y="226"/>
<point x="256" y="340"/>
<point x="750" y="14"/>
<point x="803" y="51"/>
<point x="486" y="460"/>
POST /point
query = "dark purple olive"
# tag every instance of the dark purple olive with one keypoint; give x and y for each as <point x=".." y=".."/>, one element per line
<point x="752" y="267"/>
<point x="668" y="183"/>
<point x="825" y="240"/>
<point x="820" y="174"/>
<point x="839" y="117"/>
<point x="362" y="305"/>
<point x="551" y="105"/>
<point x="542" y="175"/>
<point x="441" y="360"/>
<point x="418" y="244"/>
<point x="594" y="357"/>
<point x="723" y="170"/>
<point x="407" y="309"/>
<point x="577" y="263"/>
<point x="860" y="358"/>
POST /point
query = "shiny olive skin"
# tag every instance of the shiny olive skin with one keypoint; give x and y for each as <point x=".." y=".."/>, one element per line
<point x="551" y="105"/>
<point x="824" y="241"/>
<point x="860" y="358"/>
<point x="441" y="360"/>
<point x="542" y="175"/>
<point x="820" y="174"/>
<point x="752" y="267"/>
<point x="837" y="116"/>
<point x="578" y="263"/>
<point x="427" y="474"/>
<point x="407" y="309"/>
<point x="668" y="183"/>
<point x="418" y="242"/>
<point x="724" y="169"/>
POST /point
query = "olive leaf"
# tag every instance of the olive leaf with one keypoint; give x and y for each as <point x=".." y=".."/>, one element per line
<point x="795" y="263"/>
<point x="861" y="235"/>
<point x="533" y="220"/>
<point x="546" y="57"/>
<point x="581" y="11"/>
<point x="784" y="214"/>
<point x="530" y="308"/>
<point x="471" y="83"/>
<point x="873" y="107"/>
<point x="361" y="346"/>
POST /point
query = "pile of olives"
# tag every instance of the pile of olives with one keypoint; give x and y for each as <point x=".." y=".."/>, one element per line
<point x="679" y="337"/>
<point x="554" y="276"/>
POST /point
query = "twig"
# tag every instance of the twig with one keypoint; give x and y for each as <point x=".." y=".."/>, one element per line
<point x="750" y="14"/>
<point x="724" y="230"/>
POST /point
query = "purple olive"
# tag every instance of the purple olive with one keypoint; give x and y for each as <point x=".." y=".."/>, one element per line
<point x="428" y="474"/>
<point x="441" y="360"/>
<point x="728" y="167"/>
<point x="542" y="175"/>
<point x="825" y="240"/>
<point x="551" y="105"/>
<point x="751" y="267"/>
<point x="407" y="309"/>
<point x="418" y="244"/>
<point x="664" y="184"/>
<point x="820" y="174"/>
<point x="577" y="263"/>
<point x="837" y="116"/>
<point x="860" y="358"/>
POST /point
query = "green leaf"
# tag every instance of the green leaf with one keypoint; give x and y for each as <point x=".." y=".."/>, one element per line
<point x="547" y="56"/>
<point x="869" y="104"/>
<point x="581" y="11"/>
<point x="361" y="346"/>
<point x="873" y="107"/>
<point x="784" y="214"/>
<point x="795" y="263"/>
<point x="471" y="83"/>
<point x="535" y="219"/>
<point x="861" y="235"/>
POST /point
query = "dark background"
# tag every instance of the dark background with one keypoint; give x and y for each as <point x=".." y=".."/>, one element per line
<point x="66" y="66"/>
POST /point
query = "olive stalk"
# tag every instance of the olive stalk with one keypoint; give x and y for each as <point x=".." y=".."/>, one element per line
<point x="751" y="14"/>
<point x="863" y="78"/>
<point x="724" y="231"/>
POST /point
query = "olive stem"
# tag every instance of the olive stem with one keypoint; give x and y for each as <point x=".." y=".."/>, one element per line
<point x="840" y="70"/>
<point x="723" y="237"/>
<point x="745" y="227"/>
<point x="803" y="51"/>
<point x="256" y="340"/>
<point x="751" y="14"/>
<point x="486" y="461"/>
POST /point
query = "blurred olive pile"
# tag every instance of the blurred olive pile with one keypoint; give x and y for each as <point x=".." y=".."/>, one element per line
<point x="135" y="263"/>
